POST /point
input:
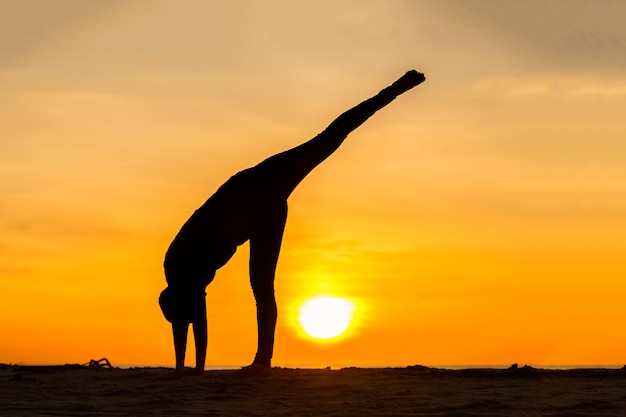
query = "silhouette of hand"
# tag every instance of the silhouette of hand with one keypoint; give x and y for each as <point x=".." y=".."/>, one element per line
<point x="179" y="373"/>
<point x="171" y="376"/>
<point x="194" y="372"/>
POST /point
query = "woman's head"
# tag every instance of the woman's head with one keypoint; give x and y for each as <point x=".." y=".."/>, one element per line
<point x="182" y="305"/>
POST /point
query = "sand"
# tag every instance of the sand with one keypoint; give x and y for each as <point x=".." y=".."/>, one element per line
<point x="412" y="391"/>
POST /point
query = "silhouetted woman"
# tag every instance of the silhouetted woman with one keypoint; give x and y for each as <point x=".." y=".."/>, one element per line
<point x="251" y="205"/>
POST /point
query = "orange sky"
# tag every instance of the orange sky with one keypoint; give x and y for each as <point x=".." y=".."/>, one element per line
<point x="479" y="219"/>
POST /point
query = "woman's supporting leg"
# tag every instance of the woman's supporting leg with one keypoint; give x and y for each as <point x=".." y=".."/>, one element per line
<point x="265" y="241"/>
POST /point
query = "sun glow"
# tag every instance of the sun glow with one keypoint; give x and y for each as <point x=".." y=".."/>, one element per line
<point x="326" y="317"/>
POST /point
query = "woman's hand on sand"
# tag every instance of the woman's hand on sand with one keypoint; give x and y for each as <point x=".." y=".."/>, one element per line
<point x="179" y="373"/>
<point x="173" y="375"/>
<point x="193" y="372"/>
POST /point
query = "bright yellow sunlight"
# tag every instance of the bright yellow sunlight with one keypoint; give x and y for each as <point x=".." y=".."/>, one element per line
<point x="326" y="317"/>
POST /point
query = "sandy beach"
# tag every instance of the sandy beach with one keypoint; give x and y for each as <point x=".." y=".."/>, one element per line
<point x="413" y="391"/>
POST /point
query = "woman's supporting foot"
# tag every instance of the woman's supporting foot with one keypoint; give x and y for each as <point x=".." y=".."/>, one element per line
<point x="256" y="369"/>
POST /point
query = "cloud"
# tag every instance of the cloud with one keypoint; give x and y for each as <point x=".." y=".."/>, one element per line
<point x="28" y="26"/>
<point x="565" y="34"/>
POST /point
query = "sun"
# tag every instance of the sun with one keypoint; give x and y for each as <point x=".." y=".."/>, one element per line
<point x="326" y="317"/>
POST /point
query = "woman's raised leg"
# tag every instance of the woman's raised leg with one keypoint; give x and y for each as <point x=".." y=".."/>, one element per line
<point x="282" y="172"/>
